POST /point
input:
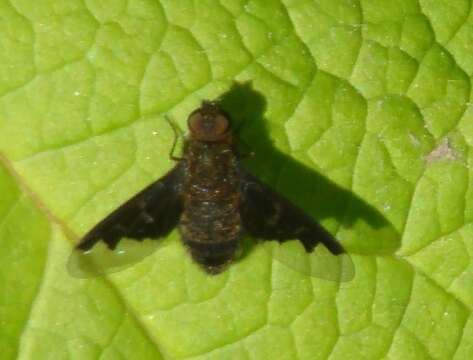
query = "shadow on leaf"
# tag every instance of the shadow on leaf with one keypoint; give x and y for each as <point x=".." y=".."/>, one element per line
<point x="362" y="229"/>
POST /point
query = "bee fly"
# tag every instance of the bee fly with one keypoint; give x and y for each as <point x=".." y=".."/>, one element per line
<point x="213" y="200"/>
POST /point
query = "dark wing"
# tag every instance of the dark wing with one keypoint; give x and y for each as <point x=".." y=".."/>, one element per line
<point x="267" y="215"/>
<point x="120" y="238"/>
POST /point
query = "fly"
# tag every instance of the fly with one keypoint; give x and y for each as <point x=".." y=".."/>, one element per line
<point x="214" y="201"/>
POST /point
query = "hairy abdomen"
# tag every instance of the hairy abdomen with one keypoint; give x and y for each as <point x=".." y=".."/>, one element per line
<point x="210" y="222"/>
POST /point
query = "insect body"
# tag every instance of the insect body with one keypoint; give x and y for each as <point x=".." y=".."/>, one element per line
<point x="213" y="200"/>
<point x="210" y="223"/>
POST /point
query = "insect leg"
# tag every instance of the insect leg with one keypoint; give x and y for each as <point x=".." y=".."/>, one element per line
<point x="177" y="133"/>
<point x="248" y="152"/>
<point x="246" y="155"/>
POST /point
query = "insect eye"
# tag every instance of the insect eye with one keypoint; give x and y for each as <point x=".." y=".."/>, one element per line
<point x="220" y="124"/>
<point x="207" y="127"/>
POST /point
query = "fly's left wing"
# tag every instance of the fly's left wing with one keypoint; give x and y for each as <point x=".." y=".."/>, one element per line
<point x="267" y="215"/>
<point x="129" y="233"/>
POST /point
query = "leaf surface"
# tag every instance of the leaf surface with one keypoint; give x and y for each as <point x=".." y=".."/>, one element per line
<point x="360" y="112"/>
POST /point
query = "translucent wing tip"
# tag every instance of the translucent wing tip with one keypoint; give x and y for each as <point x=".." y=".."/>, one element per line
<point x="320" y="263"/>
<point x="101" y="259"/>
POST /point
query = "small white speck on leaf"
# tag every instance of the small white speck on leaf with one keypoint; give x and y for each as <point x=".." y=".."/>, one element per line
<point x="414" y="140"/>
<point x="387" y="207"/>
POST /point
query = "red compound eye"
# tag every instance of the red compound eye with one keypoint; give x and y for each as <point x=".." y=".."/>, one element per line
<point x="207" y="126"/>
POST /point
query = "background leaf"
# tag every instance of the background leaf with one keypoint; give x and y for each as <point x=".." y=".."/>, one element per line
<point x="358" y="111"/>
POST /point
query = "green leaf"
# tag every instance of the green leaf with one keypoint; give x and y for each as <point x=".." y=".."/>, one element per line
<point x="360" y="112"/>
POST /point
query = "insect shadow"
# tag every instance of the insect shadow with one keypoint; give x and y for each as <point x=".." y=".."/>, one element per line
<point x="362" y="229"/>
